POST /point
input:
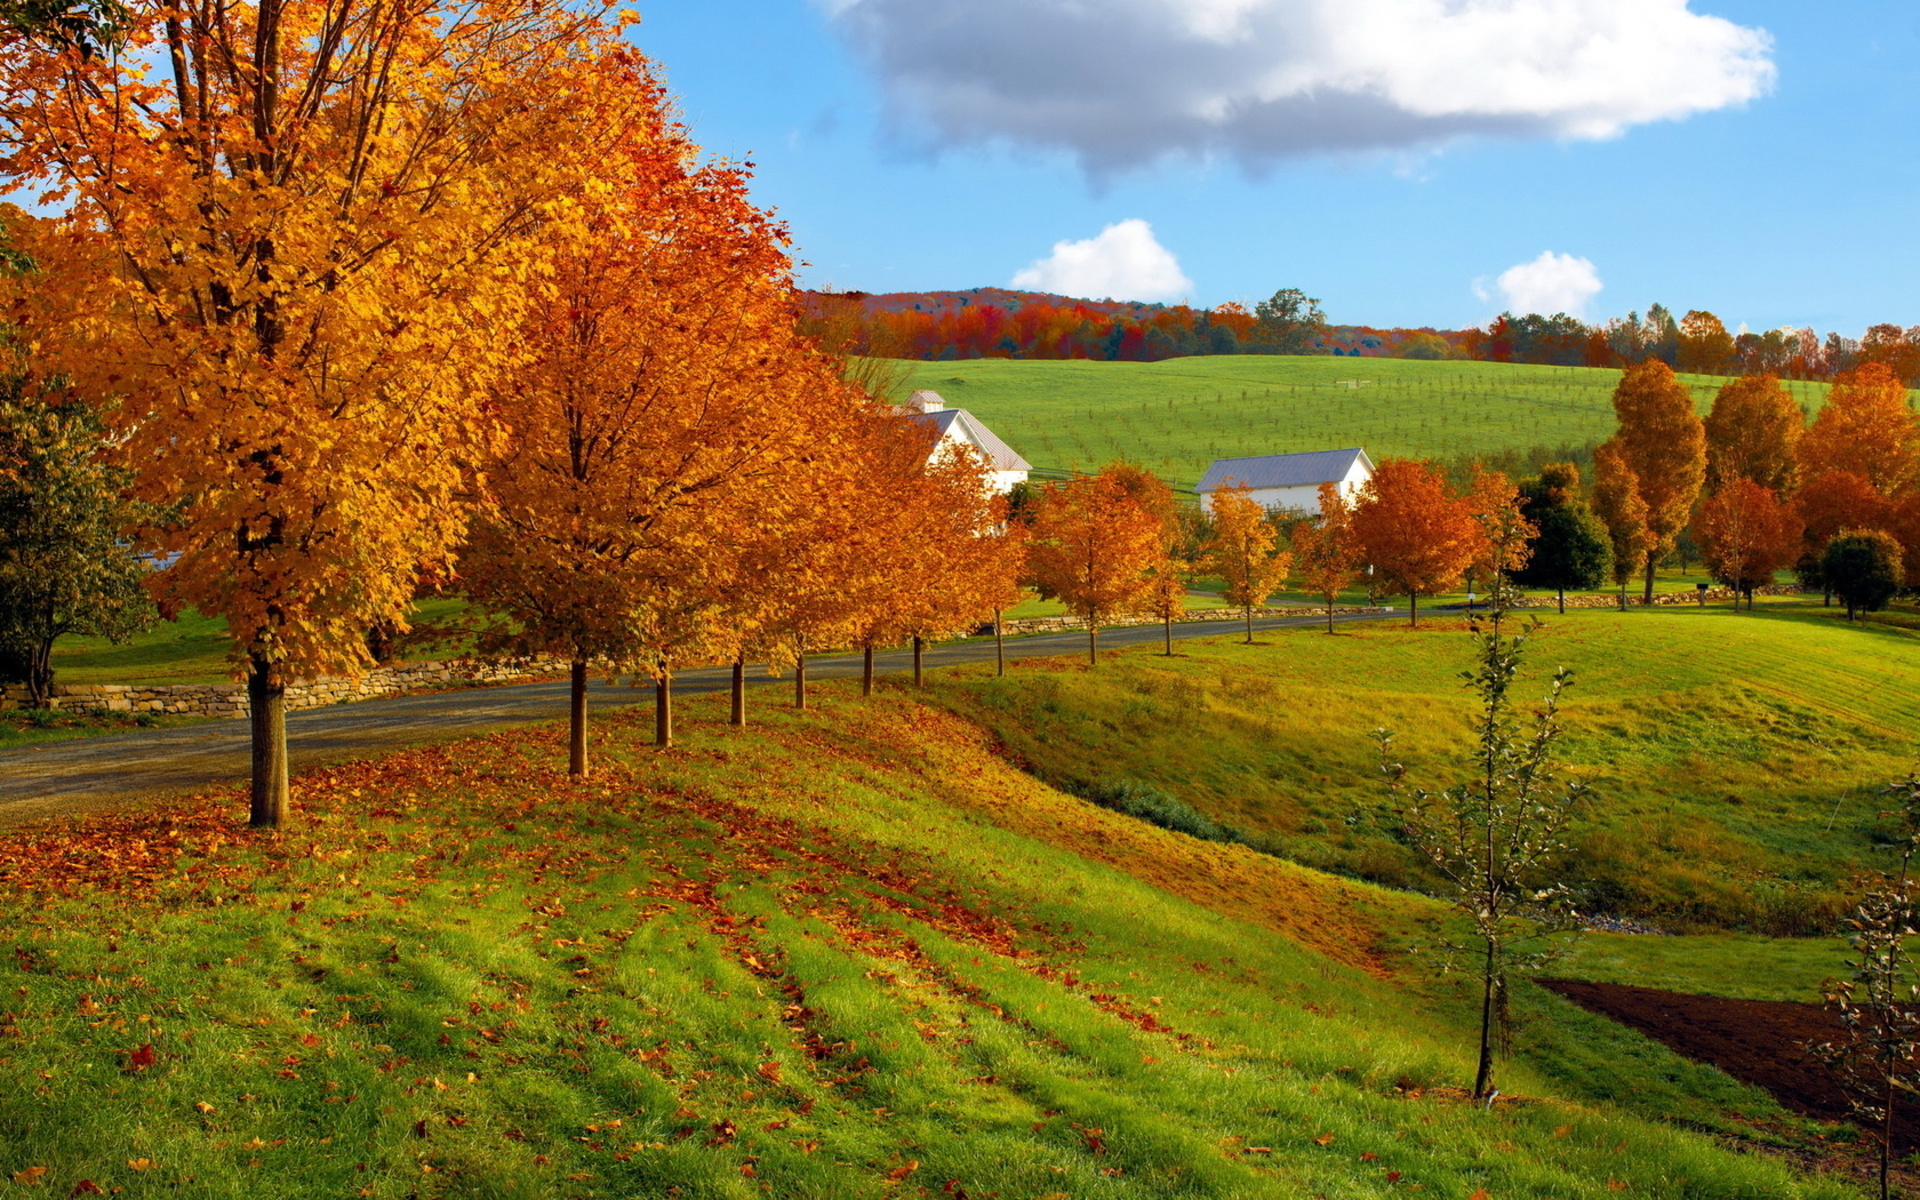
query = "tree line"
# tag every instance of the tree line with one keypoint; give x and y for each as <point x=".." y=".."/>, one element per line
<point x="1001" y="324"/>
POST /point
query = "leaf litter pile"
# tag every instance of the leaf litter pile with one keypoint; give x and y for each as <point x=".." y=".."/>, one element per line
<point x="845" y="953"/>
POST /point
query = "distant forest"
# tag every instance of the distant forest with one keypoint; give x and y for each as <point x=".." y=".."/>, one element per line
<point x="1000" y="323"/>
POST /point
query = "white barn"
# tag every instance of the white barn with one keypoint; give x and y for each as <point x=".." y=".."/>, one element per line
<point x="956" y="427"/>
<point x="1288" y="482"/>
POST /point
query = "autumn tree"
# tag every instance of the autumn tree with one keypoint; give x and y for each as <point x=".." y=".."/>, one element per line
<point x="288" y="237"/>
<point x="1571" y="547"/>
<point x="1505" y="535"/>
<point x="1418" y="537"/>
<point x="1828" y="503"/>
<point x="1864" y="569"/>
<point x="1617" y="502"/>
<point x="1706" y="348"/>
<point x="1867" y="428"/>
<point x="1288" y="322"/>
<point x="655" y="434"/>
<point x="1746" y="533"/>
<point x="1092" y="546"/>
<point x="64" y="567"/>
<point x="1244" y="552"/>
<point x="1329" y="553"/>
<point x="1663" y="444"/>
<point x="1753" y="432"/>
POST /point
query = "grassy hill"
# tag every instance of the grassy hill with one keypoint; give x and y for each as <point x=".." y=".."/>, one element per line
<point x="853" y="952"/>
<point x="1735" y="757"/>
<point x="1178" y="415"/>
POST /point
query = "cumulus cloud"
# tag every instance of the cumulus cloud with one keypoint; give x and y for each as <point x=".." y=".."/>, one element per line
<point x="1123" y="83"/>
<point x="1552" y="283"/>
<point x="1125" y="262"/>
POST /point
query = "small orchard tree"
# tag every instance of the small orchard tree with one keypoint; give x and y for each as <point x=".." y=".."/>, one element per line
<point x="1418" y="536"/>
<point x="1571" y="548"/>
<point x="1327" y="550"/>
<point x="1243" y="551"/>
<point x="1745" y="535"/>
<point x="1879" y="1002"/>
<point x="64" y="567"/>
<point x="1617" y="502"/>
<point x="1863" y="568"/>
<point x="1092" y="547"/>
<point x="1498" y="838"/>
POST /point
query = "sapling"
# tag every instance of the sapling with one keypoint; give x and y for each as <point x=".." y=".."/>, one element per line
<point x="1878" y="1004"/>
<point x="1498" y="837"/>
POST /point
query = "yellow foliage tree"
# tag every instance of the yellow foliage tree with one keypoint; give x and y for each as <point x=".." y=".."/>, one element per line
<point x="1242" y="551"/>
<point x="1663" y="443"/>
<point x="1866" y="428"/>
<point x="1092" y="547"/>
<point x="292" y="233"/>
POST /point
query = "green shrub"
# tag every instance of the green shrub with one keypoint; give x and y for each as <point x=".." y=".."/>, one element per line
<point x="1151" y="804"/>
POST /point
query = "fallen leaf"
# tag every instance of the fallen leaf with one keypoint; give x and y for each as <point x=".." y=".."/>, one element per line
<point x="140" y="1164"/>
<point x="899" y="1173"/>
<point x="203" y="1106"/>
<point x="87" y="1187"/>
<point x="1325" y="1139"/>
<point x="29" y="1177"/>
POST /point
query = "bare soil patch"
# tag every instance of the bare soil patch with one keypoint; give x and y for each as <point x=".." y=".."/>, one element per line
<point x="1762" y="1042"/>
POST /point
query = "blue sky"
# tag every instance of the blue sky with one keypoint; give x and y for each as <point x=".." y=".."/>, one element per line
<point x="1752" y="157"/>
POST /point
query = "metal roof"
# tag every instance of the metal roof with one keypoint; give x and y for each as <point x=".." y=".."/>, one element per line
<point x="972" y="430"/>
<point x="1310" y="469"/>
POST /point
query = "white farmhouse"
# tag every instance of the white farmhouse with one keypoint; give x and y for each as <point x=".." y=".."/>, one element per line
<point x="1288" y="482"/>
<point x="956" y="427"/>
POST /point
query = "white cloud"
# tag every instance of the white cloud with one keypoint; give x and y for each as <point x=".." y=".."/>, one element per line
<point x="1552" y="283"/>
<point x="1126" y="262"/>
<point x="1124" y="83"/>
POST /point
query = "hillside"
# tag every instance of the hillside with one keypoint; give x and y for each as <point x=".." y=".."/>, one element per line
<point x="849" y="952"/>
<point x="1736" y="759"/>
<point x="1178" y="415"/>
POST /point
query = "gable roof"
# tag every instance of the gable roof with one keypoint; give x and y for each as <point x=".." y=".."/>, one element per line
<point x="1310" y="469"/>
<point x="970" y="429"/>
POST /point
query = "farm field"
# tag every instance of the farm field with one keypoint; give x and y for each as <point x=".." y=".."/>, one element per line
<point x="1735" y="758"/>
<point x="849" y="952"/>
<point x="1176" y="416"/>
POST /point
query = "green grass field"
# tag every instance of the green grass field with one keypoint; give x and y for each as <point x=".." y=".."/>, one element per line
<point x="851" y="952"/>
<point x="1734" y="757"/>
<point x="1176" y="416"/>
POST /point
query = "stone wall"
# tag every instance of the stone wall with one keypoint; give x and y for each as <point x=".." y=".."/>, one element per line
<point x="1660" y="599"/>
<point x="230" y="699"/>
<point x="1076" y="625"/>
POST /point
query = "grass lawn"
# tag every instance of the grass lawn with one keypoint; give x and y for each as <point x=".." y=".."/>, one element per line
<point x="1176" y="416"/>
<point x="193" y="650"/>
<point x="1735" y="758"/>
<point x="850" y="952"/>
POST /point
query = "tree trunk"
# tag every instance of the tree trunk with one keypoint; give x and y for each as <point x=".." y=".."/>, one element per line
<point x="1169" y="631"/>
<point x="40" y="674"/>
<point x="267" y="712"/>
<point x="1330" y="600"/>
<point x="866" y="670"/>
<point x="577" y="719"/>
<point x="1647" y="597"/>
<point x="1093" y="644"/>
<point x="919" y="653"/>
<point x="1563" y="601"/>
<point x="1413" y="609"/>
<point x="800" y="674"/>
<point x="663" y="708"/>
<point x="1483" y="1077"/>
<point x="1249" y="612"/>
<point x="1000" y="645"/>
<point x="738" y="718"/>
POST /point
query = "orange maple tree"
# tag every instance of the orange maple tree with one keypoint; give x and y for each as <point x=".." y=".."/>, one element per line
<point x="1753" y="432"/>
<point x="1866" y="428"/>
<point x="1328" y="552"/>
<point x="1092" y="547"/>
<point x="1617" y="502"/>
<point x="666" y="421"/>
<point x="1829" y="503"/>
<point x="288" y="235"/>
<point x="1505" y="534"/>
<point x="1417" y="535"/>
<point x="1663" y="443"/>
<point x="1746" y="533"/>
<point x="1243" y="551"/>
